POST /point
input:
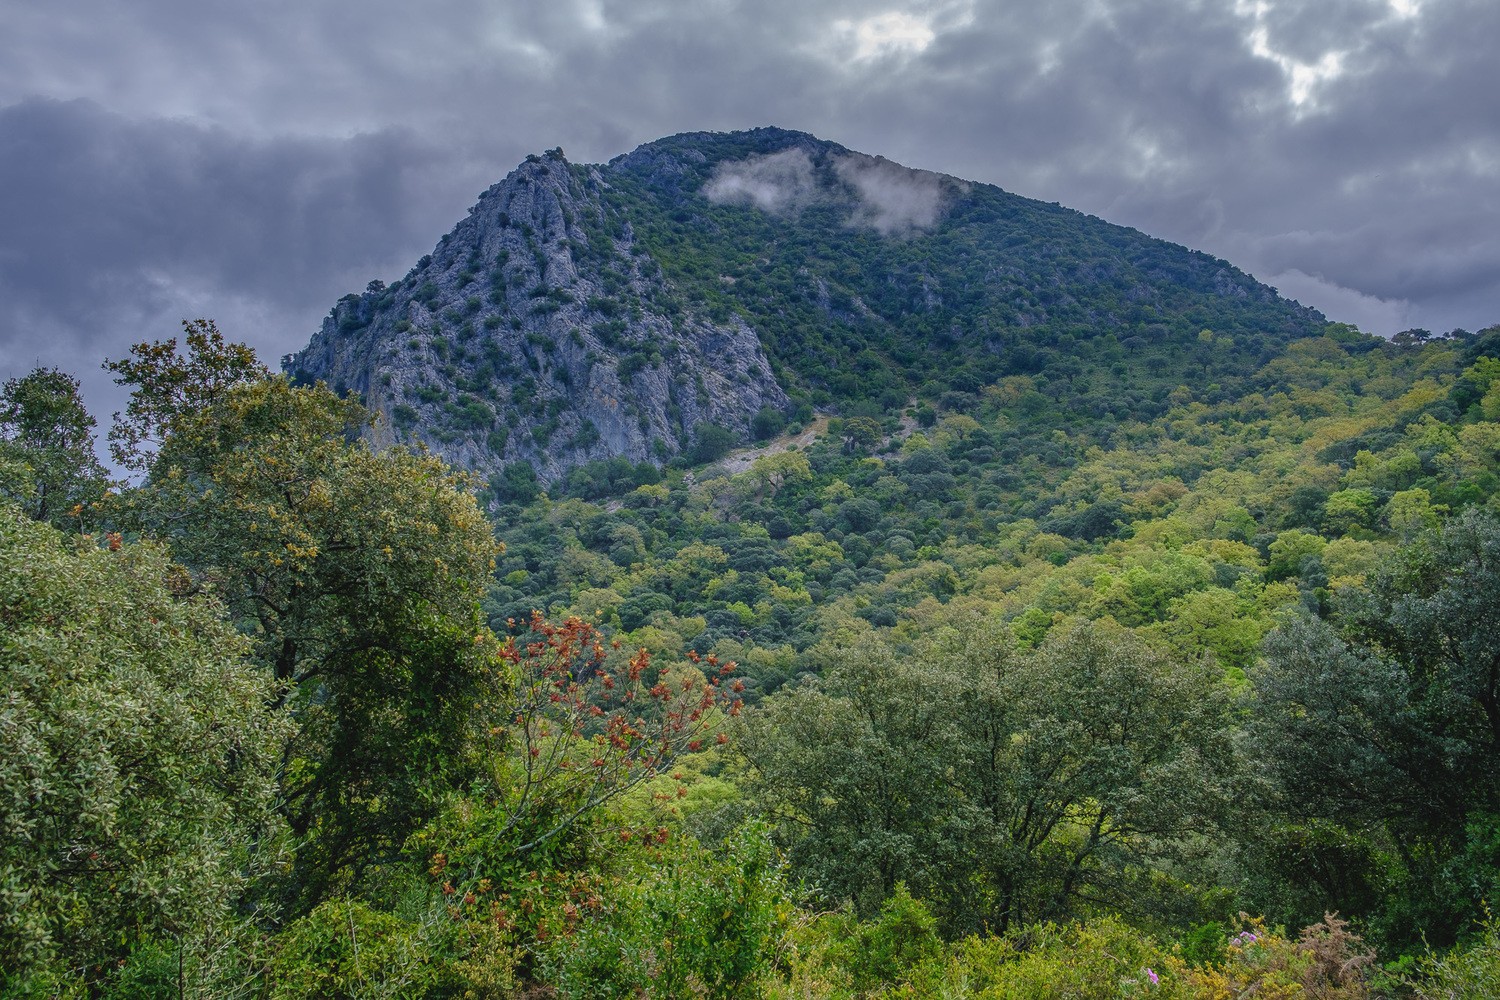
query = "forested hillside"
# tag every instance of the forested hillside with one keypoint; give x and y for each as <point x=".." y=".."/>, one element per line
<point x="985" y="699"/>
<point x="1291" y="581"/>
<point x="1098" y="656"/>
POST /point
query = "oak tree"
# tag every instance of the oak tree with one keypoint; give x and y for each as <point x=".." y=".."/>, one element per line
<point x="355" y="573"/>
<point x="138" y="761"/>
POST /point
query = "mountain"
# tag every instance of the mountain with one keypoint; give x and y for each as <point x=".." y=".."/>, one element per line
<point x="708" y="287"/>
<point x="1110" y="596"/>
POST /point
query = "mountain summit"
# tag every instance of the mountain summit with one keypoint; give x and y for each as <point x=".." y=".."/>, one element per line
<point x="709" y="286"/>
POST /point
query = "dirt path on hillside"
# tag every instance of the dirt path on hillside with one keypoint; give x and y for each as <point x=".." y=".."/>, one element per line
<point x="740" y="461"/>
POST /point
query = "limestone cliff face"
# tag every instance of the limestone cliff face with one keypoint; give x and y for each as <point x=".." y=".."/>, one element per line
<point x="538" y="331"/>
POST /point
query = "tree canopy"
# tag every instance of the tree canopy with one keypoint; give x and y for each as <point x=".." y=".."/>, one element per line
<point x="1008" y="785"/>
<point x="355" y="574"/>
<point x="139" y="756"/>
<point x="47" y="462"/>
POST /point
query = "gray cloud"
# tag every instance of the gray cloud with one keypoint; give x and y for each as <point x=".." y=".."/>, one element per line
<point x="884" y="196"/>
<point x="116" y="229"/>
<point x="774" y="182"/>
<point x="892" y="199"/>
<point x="1365" y="311"/>
<point x="254" y="164"/>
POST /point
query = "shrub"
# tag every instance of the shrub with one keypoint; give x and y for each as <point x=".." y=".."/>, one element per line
<point x="1471" y="973"/>
<point x="901" y="938"/>
<point x="697" y="925"/>
<point x="711" y="443"/>
<point x="137" y="762"/>
<point x="767" y="424"/>
<point x="431" y="947"/>
<point x="1325" y="961"/>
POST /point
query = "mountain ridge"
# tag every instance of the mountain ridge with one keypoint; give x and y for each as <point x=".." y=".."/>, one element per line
<point x="707" y="288"/>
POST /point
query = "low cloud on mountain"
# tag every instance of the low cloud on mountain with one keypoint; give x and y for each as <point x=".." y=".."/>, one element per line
<point x="887" y="197"/>
<point x="776" y="182"/>
<point x="892" y="199"/>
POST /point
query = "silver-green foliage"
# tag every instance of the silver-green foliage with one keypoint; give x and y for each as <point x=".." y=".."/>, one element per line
<point x="137" y="754"/>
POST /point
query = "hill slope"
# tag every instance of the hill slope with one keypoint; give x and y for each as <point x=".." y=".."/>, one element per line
<point x="707" y="280"/>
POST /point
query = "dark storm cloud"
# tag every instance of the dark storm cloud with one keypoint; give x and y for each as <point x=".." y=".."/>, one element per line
<point x="90" y="194"/>
<point x="115" y="229"/>
<point x="257" y="162"/>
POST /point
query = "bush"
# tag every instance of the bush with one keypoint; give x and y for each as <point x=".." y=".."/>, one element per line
<point x="1105" y="959"/>
<point x="901" y="938"/>
<point x="711" y="443"/>
<point x="697" y="925"/>
<point x="1471" y="973"/>
<point x="347" y="949"/>
<point x="516" y="483"/>
<point x="768" y="423"/>
<point x="137" y="763"/>
<point x="1326" y="961"/>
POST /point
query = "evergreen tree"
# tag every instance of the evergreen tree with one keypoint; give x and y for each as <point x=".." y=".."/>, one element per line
<point x="47" y="462"/>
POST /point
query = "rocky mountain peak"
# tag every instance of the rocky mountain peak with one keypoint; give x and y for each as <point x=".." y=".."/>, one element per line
<point x="538" y="331"/>
<point x="709" y="283"/>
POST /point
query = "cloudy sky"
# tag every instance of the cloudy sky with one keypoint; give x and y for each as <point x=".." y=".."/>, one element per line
<point x="164" y="159"/>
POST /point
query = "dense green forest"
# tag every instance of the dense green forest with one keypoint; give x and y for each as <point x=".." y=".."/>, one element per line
<point x="1011" y="686"/>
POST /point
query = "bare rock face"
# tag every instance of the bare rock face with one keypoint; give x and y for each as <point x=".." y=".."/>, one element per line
<point x="538" y="331"/>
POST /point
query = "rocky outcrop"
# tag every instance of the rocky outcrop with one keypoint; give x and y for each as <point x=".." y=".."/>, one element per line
<point x="538" y="331"/>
